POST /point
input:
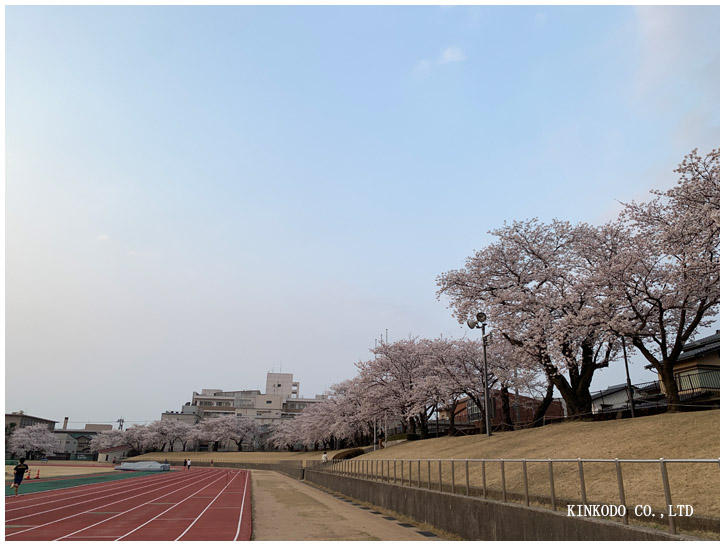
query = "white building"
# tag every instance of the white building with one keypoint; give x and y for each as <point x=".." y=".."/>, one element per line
<point x="281" y="401"/>
<point x="614" y="399"/>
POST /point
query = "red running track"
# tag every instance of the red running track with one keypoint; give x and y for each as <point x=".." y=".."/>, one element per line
<point x="199" y="504"/>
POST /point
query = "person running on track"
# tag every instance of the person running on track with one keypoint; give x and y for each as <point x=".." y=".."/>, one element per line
<point x="20" y="469"/>
<point x="188" y="464"/>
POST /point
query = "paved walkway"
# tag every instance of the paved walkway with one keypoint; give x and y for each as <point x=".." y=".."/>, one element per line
<point x="287" y="509"/>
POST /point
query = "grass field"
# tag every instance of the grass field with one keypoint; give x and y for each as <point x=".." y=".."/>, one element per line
<point x="689" y="435"/>
<point x="48" y="470"/>
<point x="234" y="456"/>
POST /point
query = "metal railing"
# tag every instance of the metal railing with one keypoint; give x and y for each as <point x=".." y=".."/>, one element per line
<point x="441" y="475"/>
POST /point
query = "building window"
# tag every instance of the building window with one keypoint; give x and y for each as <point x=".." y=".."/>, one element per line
<point x="268" y="401"/>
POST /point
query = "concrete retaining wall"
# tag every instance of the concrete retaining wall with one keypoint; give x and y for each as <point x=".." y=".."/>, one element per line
<point x="480" y="519"/>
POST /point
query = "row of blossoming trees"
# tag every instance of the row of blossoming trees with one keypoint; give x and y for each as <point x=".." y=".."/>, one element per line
<point x="561" y="301"/>
<point x="172" y="435"/>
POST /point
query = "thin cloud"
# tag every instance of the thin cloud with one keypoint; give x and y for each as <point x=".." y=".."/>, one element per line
<point x="451" y="54"/>
<point x="103" y="237"/>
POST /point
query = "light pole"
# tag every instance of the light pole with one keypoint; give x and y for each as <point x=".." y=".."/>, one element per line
<point x="480" y="322"/>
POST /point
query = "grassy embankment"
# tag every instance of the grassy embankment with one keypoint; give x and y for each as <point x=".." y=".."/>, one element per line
<point x="692" y="435"/>
<point x="221" y="457"/>
<point x="682" y="435"/>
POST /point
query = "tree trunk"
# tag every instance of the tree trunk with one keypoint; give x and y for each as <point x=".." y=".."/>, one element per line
<point x="451" y="420"/>
<point x="506" y="409"/>
<point x="538" y="419"/>
<point x="668" y="382"/>
<point x="423" y="418"/>
<point x="578" y="402"/>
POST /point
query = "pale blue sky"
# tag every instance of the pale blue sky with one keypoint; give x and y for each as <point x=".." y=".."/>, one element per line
<point x="199" y="194"/>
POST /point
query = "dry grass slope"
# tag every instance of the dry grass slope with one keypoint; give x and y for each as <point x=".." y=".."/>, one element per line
<point x="683" y="435"/>
<point x="221" y="457"/>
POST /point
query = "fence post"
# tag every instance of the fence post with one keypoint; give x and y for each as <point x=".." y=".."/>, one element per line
<point x="503" y="479"/>
<point x="620" y="483"/>
<point x="418" y="473"/>
<point x="526" y="482"/>
<point x="468" y="484"/>
<point x="483" y="477"/>
<point x="440" y="475"/>
<point x="388" y="470"/>
<point x="453" y="476"/>
<point x="410" y="473"/>
<point x="668" y="496"/>
<point x="581" y="481"/>
<point x="395" y="471"/>
<point x="551" y="485"/>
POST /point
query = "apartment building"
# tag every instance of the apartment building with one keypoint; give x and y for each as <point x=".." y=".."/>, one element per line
<point x="281" y="400"/>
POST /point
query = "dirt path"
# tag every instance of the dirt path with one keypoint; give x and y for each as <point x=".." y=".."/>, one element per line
<point x="286" y="509"/>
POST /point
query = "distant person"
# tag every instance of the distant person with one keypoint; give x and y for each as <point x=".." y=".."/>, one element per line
<point x="20" y="469"/>
<point x="324" y="456"/>
<point x="188" y="464"/>
<point x="212" y="462"/>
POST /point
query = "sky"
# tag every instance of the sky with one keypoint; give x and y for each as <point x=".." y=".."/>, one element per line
<point x="198" y="195"/>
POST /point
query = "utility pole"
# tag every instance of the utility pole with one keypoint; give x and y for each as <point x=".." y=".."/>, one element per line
<point x="630" y="398"/>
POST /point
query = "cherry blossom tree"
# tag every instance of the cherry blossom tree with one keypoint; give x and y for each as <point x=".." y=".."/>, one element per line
<point x="395" y="373"/>
<point x="658" y="266"/>
<point x="32" y="441"/>
<point x="139" y="437"/>
<point x="532" y="281"/>
<point x="236" y="428"/>
<point x="106" y="439"/>
<point x="285" y="434"/>
<point x="180" y="432"/>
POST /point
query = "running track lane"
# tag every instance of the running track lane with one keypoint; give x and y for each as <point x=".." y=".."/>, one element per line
<point x="214" y="505"/>
<point x="43" y="500"/>
<point x="39" y="526"/>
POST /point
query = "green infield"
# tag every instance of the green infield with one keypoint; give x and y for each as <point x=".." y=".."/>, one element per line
<point x="31" y="486"/>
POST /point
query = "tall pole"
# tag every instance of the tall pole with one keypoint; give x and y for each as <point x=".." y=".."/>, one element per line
<point x="375" y="433"/>
<point x="630" y="398"/>
<point x="437" y="421"/>
<point x="485" y="379"/>
<point x="386" y="429"/>
<point x="517" y="414"/>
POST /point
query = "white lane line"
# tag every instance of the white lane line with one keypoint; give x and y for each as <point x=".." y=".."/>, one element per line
<point x="116" y="492"/>
<point x="195" y="484"/>
<point x="241" y="510"/>
<point x="90" y="510"/>
<point x="205" y="509"/>
<point x="162" y="513"/>
<point x="122" y="487"/>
